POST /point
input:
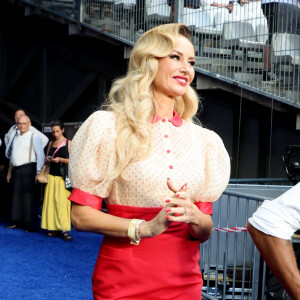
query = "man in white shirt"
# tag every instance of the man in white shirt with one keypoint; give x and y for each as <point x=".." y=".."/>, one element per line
<point x="27" y="159"/>
<point x="14" y="132"/>
<point x="271" y="228"/>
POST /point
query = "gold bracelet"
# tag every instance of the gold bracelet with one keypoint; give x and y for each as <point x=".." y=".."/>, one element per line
<point x="137" y="237"/>
<point x="133" y="231"/>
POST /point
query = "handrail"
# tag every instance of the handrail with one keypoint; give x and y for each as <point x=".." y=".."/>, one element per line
<point x="229" y="47"/>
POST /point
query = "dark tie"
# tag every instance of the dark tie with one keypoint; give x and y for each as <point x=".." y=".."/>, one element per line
<point x="12" y="141"/>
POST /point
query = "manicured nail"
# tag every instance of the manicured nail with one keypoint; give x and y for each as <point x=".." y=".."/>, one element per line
<point x="168" y="209"/>
<point x="183" y="186"/>
<point x="177" y="195"/>
<point x="168" y="178"/>
<point x="167" y="201"/>
<point x="168" y="217"/>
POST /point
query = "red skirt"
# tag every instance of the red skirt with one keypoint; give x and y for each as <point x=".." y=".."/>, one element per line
<point x="163" y="267"/>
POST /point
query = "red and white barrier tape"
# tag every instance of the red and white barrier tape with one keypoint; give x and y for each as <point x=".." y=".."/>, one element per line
<point x="230" y="229"/>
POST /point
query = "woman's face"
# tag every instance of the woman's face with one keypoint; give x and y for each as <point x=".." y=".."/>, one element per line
<point x="57" y="132"/>
<point x="176" y="71"/>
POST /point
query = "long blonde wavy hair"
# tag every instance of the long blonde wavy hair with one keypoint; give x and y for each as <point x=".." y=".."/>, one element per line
<point x="131" y="97"/>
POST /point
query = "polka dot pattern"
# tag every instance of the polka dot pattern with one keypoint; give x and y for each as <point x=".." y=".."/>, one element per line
<point x="191" y="154"/>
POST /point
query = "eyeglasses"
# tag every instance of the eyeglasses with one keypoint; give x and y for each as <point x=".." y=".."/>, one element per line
<point x="22" y="124"/>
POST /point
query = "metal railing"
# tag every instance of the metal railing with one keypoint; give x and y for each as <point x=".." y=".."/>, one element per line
<point x="230" y="263"/>
<point x="261" y="181"/>
<point x="239" y="46"/>
<point x="229" y="260"/>
<point x="233" y="46"/>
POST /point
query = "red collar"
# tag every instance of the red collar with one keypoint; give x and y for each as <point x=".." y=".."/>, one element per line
<point x="176" y="120"/>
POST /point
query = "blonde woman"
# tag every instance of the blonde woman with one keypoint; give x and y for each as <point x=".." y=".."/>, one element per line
<point x="156" y="170"/>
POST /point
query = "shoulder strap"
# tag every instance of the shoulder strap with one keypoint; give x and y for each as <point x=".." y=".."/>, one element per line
<point x="61" y="145"/>
<point x="48" y="149"/>
<point x="30" y="147"/>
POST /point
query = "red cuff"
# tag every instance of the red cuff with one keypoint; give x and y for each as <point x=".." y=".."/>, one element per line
<point x="84" y="198"/>
<point x="205" y="207"/>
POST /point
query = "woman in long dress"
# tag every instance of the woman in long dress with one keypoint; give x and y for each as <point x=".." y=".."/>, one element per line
<point x="56" y="213"/>
<point x="157" y="171"/>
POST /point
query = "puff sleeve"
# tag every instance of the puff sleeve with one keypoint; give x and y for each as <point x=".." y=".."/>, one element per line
<point x="216" y="168"/>
<point x="92" y="155"/>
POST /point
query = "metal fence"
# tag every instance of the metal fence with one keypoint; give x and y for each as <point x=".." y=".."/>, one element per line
<point x="236" y="46"/>
<point x="230" y="263"/>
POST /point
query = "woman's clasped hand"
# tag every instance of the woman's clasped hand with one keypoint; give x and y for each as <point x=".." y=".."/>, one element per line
<point x="181" y="207"/>
<point x="178" y="208"/>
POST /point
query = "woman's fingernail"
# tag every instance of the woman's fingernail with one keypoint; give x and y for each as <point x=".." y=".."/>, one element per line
<point x="167" y="201"/>
<point x="168" y="178"/>
<point x="183" y="186"/>
<point x="168" y="209"/>
<point x="168" y="217"/>
<point x="177" y="195"/>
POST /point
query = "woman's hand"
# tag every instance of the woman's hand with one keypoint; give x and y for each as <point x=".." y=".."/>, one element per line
<point x="156" y="226"/>
<point x="162" y="220"/>
<point x="56" y="160"/>
<point x="182" y="209"/>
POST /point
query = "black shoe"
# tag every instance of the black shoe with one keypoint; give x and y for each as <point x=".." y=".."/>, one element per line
<point x="66" y="236"/>
<point x="13" y="226"/>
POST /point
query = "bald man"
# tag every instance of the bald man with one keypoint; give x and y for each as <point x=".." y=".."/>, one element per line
<point x="27" y="159"/>
<point x="14" y="131"/>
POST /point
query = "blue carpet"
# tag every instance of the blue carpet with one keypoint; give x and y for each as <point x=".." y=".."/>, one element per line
<point x="34" y="266"/>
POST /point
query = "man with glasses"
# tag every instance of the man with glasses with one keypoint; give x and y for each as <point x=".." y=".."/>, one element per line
<point x="14" y="131"/>
<point x="26" y="161"/>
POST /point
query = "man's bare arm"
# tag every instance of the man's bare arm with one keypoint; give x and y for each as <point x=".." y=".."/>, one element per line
<point x="280" y="257"/>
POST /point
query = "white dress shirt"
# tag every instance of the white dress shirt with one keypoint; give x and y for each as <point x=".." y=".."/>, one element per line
<point x="20" y="150"/>
<point x="12" y="132"/>
<point x="279" y="217"/>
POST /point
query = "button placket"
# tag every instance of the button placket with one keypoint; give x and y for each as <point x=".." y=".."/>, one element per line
<point x="167" y="146"/>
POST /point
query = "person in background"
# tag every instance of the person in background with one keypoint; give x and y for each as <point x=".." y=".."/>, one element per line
<point x="157" y="171"/>
<point x="56" y="213"/>
<point x="14" y="132"/>
<point x="271" y="228"/>
<point x="283" y="16"/>
<point x="27" y="159"/>
<point x="4" y="187"/>
<point x="220" y="3"/>
<point x="196" y="4"/>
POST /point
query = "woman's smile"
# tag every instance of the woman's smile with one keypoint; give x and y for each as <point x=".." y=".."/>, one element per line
<point x="182" y="80"/>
